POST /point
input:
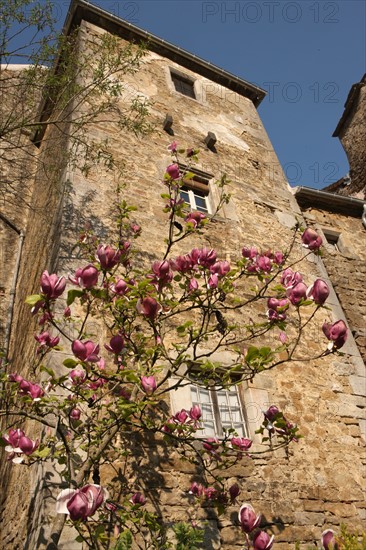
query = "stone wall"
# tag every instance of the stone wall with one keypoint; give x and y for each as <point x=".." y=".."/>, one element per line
<point x="346" y="266"/>
<point x="312" y="488"/>
<point x="17" y="165"/>
<point x="353" y="138"/>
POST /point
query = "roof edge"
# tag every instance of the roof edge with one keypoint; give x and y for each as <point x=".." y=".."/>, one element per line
<point x="82" y="10"/>
<point x="306" y="196"/>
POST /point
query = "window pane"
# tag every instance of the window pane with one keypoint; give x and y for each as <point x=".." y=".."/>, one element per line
<point x="202" y="397"/>
<point x="184" y="195"/>
<point x="183" y="85"/>
<point x="230" y="410"/>
<point x="201" y="204"/>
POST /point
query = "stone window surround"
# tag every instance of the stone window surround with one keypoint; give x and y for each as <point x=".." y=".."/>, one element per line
<point x="185" y="84"/>
<point x="197" y="84"/>
<point x="254" y="399"/>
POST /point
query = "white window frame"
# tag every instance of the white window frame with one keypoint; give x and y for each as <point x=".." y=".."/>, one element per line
<point x="201" y="189"/>
<point x="219" y="422"/>
<point x="192" y="200"/>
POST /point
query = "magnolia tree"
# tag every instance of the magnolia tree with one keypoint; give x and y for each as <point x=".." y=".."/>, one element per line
<point x="160" y="328"/>
<point x="38" y="67"/>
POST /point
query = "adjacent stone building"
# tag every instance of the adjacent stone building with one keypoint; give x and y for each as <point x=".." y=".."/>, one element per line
<point x="321" y="483"/>
<point x="338" y="212"/>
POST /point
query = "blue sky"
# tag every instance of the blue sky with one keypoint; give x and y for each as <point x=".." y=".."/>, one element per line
<point x="306" y="53"/>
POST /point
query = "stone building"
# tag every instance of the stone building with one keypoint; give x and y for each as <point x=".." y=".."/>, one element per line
<point x="313" y="488"/>
<point x="339" y="213"/>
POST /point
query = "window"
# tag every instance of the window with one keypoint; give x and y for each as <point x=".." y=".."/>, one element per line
<point x="183" y="85"/>
<point x="221" y="410"/>
<point x="196" y="200"/>
<point x="195" y="191"/>
<point x="332" y="238"/>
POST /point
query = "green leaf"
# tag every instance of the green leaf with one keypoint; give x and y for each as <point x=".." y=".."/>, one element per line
<point x="44" y="453"/>
<point x="48" y="370"/>
<point x="252" y="353"/>
<point x="33" y="299"/>
<point x="70" y="363"/>
<point x="124" y="541"/>
<point x="72" y="294"/>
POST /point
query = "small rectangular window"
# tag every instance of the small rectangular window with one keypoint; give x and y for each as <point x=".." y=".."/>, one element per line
<point x="183" y="85"/>
<point x="195" y="200"/>
<point x="195" y="191"/>
<point x="221" y="410"/>
<point x="332" y="238"/>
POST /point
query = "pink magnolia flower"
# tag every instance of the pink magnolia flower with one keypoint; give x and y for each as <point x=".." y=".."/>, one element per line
<point x="75" y="414"/>
<point x="203" y="256"/>
<point x="248" y="519"/>
<point x="173" y="147"/>
<point x="262" y="541"/>
<point x="318" y="291"/>
<point x="282" y="337"/>
<point x="46" y="341"/>
<point x="290" y="278"/>
<point x="120" y="287"/>
<point x="220" y="268"/>
<point x="52" y="286"/>
<point x="182" y="263"/>
<point x="196" y="489"/>
<point x="80" y="503"/>
<point x="281" y="304"/>
<point x="195" y="218"/>
<point x="249" y="253"/>
<point x="211" y="445"/>
<point x="33" y="390"/>
<point x="96" y="382"/>
<point x="192" y="285"/>
<point x="213" y="281"/>
<point x="311" y="239"/>
<point x="173" y="171"/>
<point x="138" y="499"/>
<point x="278" y="258"/>
<point x="241" y="443"/>
<point x="234" y="491"/>
<point x="149" y="307"/>
<point x="296" y="293"/>
<point x="195" y="412"/>
<point x="149" y="384"/>
<point x="264" y="263"/>
<point x="27" y="388"/>
<point x="135" y="228"/>
<point x="180" y="417"/>
<point x="210" y="493"/>
<point x="19" y="444"/>
<point x="67" y="312"/>
<point x="329" y="541"/>
<point x="108" y="256"/>
<point x="271" y="413"/>
<point x="13" y="377"/>
<point x="337" y="333"/>
<point x="162" y="271"/>
<point x="85" y="277"/>
<point x="77" y="376"/>
<point x="116" y="344"/>
<point x="85" y="351"/>
<point x="277" y="309"/>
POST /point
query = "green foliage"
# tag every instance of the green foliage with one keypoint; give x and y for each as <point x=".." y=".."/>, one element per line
<point x="351" y="541"/>
<point x="188" y="537"/>
<point x="124" y="541"/>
